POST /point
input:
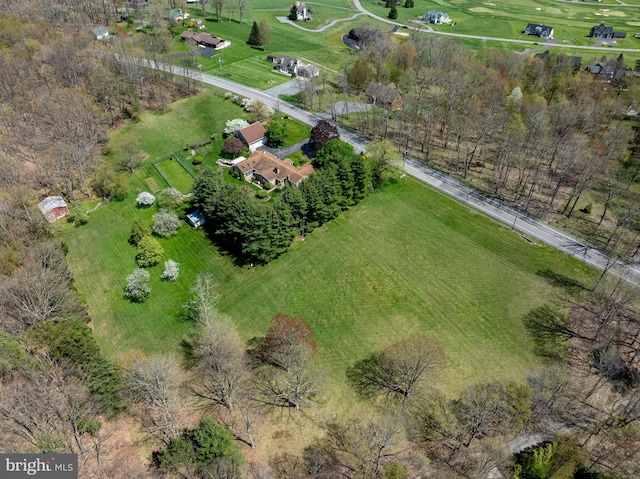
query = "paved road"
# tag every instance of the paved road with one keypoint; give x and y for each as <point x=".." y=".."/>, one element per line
<point x="322" y="28"/>
<point x="531" y="229"/>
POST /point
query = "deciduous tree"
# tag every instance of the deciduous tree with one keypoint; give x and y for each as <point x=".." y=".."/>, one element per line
<point x="150" y="252"/>
<point x="399" y="372"/>
<point x="137" y="288"/>
<point x="321" y="134"/>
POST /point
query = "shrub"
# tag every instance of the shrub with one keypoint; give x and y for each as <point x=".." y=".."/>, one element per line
<point x="150" y="252"/>
<point x="262" y="194"/>
<point x="137" y="288"/>
<point x="171" y="270"/>
<point x="234" y="126"/>
<point x="233" y="146"/>
<point x="197" y="160"/>
<point x="145" y="199"/>
<point x="166" y="223"/>
<point x="71" y="340"/>
<point x="169" y="199"/>
<point x="78" y="217"/>
<point x="139" y="229"/>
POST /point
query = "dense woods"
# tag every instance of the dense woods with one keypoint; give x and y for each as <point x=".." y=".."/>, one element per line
<point x="536" y="132"/>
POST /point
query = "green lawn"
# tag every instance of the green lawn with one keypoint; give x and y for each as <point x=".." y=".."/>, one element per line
<point x="179" y="178"/>
<point x="406" y="260"/>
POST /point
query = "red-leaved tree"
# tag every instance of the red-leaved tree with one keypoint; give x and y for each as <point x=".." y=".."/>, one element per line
<point x="322" y="133"/>
<point x="288" y="342"/>
<point x="233" y="146"/>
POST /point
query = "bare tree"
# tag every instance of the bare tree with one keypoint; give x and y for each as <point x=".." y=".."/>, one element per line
<point x="221" y="374"/>
<point x="297" y="388"/>
<point x="400" y="371"/>
<point x="154" y="384"/>
<point x="201" y="307"/>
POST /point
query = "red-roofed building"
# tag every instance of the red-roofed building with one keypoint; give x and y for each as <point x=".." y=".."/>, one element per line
<point x="264" y="167"/>
<point x="253" y="135"/>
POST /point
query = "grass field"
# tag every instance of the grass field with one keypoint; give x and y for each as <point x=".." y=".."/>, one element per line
<point x="405" y="260"/>
<point x="179" y="178"/>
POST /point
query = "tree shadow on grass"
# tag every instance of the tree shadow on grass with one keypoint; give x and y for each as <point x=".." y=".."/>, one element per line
<point x="572" y="286"/>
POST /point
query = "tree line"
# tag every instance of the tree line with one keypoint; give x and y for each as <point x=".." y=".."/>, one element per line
<point x="539" y="132"/>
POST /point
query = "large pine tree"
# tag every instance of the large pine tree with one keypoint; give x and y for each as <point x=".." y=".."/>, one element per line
<point x="255" y="37"/>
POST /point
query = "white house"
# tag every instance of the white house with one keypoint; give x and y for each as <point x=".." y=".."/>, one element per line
<point x="437" y="18"/>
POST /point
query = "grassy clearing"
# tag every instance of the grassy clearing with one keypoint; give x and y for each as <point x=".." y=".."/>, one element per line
<point x="179" y="178"/>
<point x="407" y="259"/>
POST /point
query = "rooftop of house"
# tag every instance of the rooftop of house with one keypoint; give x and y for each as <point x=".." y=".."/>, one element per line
<point x="381" y="93"/>
<point x="201" y="38"/>
<point x="253" y="132"/>
<point x="100" y="30"/>
<point x="50" y="203"/>
<point x="272" y="168"/>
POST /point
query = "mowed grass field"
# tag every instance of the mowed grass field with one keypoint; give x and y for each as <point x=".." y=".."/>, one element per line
<point x="180" y="178"/>
<point x="406" y="260"/>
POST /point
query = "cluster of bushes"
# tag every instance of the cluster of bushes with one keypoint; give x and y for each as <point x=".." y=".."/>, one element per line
<point x="257" y="232"/>
<point x="165" y="224"/>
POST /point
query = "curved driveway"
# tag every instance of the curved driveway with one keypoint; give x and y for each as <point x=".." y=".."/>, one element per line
<point x="532" y="230"/>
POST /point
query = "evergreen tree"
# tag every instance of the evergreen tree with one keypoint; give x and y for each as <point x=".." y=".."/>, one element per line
<point x="206" y="192"/>
<point x="361" y="178"/>
<point x="408" y="4"/>
<point x="345" y="178"/>
<point x="293" y="13"/>
<point x="255" y="37"/>
<point x="295" y="201"/>
<point x="393" y="13"/>
<point x="331" y="193"/>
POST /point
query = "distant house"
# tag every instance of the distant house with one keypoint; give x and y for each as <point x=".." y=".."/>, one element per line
<point x="178" y="15"/>
<point x="265" y="168"/>
<point x="53" y="208"/>
<point x="385" y="96"/>
<point x="253" y="135"/>
<point x="287" y="65"/>
<point x="303" y="13"/>
<point x="601" y="31"/>
<point x="101" y="32"/>
<point x="539" y="30"/>
<point x="196" y="219"/>
<point x="575" y="62"/>
<point x="205" y="40"/>
<point x="437" y="18"/>
<point x="608" y="72"/>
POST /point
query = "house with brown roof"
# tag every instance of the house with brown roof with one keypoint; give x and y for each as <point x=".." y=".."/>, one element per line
<point x="205" y="40"/>
<point x="384" y="96"/>
<point x="254" y="135"/>
<point x="265" y="168"/>
<point x="53" y="208"/>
